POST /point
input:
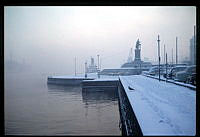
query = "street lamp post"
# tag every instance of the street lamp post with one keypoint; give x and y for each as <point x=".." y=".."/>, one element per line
<point x="164" y="54"/>
<point x="159" y="56"/>
<point x="176" y="52"/>
<point x="75" y="66"/>
<point x="172" y="58"/>
<point x="86" y="69"/>
<point x="98" y="63"/>
<point x="194" y="47"/>
<point x="166" y="66"/>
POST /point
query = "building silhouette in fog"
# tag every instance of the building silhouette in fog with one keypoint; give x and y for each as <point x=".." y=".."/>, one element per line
<point x="192" y="51"/>
<point x="137" y="62"/>
<point x="92" y="68"/>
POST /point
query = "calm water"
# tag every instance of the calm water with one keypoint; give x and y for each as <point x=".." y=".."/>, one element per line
<point x="34" y="108"/>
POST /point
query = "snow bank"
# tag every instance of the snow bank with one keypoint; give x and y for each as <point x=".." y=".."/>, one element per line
<point x="161" y="108"/>
<point x="89" y="75"/>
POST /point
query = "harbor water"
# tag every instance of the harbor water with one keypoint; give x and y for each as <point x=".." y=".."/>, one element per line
<point x="32" y="107"/>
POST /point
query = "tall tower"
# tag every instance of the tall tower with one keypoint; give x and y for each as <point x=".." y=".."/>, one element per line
<point x="137" y="51"/>
<point x="192" y="51"/>
<point x="92" y="61"/>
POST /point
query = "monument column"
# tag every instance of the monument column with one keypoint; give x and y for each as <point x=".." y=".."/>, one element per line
<point x="137" y="51"/>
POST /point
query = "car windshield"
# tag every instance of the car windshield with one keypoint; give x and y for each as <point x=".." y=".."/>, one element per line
<point x="177" y="69"/>
<point x="191" y="69"/>
<point x="153" y="68"/>
<point x="180" y="68"/>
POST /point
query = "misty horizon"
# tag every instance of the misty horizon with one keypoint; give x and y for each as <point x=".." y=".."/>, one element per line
<point x="50" y="38"/>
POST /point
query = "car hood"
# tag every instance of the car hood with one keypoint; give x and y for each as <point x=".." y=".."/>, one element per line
<point x="180" y="72"/>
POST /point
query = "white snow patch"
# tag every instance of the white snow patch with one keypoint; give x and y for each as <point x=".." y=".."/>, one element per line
<point x="89" y="75"/>
<point x="161" y="108"/>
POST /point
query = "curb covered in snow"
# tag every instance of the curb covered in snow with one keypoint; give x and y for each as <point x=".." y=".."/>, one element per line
<point x="174" y="82"/>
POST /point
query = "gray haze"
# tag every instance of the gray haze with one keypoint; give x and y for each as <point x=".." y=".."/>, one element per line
<point x="49" y="38"/>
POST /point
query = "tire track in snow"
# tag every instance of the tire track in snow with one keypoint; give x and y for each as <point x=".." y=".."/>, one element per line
<point x="163" y="117"/>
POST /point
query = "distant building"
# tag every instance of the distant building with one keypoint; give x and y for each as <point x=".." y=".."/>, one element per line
<point x="92" y="67"/>
<point x="146" y="59"/>
<point x="132" y="67"/>
<point x="186" y="60"/>
<point x="192" y="51"/>
<point x="137" y="62"/>
<point x="121" y="71"/>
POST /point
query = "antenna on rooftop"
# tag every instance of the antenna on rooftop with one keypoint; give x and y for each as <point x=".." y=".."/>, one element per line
<point x="75" y="66"/>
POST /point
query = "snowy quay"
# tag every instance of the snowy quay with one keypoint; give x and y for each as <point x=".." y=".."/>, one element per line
<point x="100" y="85"/>
<point x="147" y="106"/>
<point x="151" y="107"/>
<point x="91" y="80"/>
<point x="67" y="80"/>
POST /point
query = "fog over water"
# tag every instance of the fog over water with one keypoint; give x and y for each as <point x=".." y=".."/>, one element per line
<point x="34" y="108"/>
<point x="40" y="41"/>
<point x="49" y="38"/>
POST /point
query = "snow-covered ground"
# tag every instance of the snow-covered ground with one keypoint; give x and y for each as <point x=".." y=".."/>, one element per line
<point x="161" y="108"/>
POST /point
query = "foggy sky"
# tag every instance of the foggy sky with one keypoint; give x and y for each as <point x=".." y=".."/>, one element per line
<point x="49" y="38"/>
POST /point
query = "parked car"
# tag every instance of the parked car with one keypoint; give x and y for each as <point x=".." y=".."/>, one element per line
<point x="183" y="75"/>
<point x="168" y="70"/>
<point x="155" y="71"/>
<point x="191" y="79"/>
<point x="172" y="72"/>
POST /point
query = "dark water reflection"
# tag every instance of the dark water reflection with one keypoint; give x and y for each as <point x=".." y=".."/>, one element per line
<point x="93" y="96"/>
<point x="33" y="107"/>
<point x="94" y="112"/>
